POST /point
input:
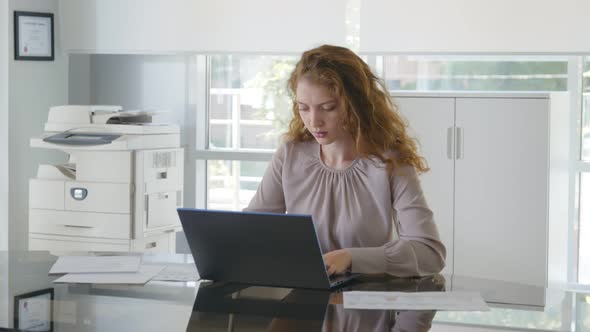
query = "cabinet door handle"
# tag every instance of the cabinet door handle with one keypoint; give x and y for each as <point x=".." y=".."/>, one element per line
<point x="78" y="226"/>
<point x="450" y="143"/>
<point x="459" y="145"/>
<point x="150" y="245"/>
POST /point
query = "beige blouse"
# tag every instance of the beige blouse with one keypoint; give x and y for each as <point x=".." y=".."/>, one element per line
<point x="356" y="209"/>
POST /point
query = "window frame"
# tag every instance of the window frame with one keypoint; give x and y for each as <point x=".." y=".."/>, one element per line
<point x="578" y="166"/>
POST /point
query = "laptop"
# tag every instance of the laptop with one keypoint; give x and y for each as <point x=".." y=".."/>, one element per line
<point x="267" y="249"/>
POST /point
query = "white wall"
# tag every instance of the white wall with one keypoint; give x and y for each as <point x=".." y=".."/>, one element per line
<point x="155" y="26"/>
<point x="34" y="87"/>
<point x="4" y="300"/>
<point x="396" y="26"/>
<point x="465" y="26"/>
<point x="4" y="39"/>
<point x="79" y="79"/>
<point x="145" y="82"/>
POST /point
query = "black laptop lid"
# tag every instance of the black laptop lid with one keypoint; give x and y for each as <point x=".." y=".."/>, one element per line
<point x="255" y="248"/>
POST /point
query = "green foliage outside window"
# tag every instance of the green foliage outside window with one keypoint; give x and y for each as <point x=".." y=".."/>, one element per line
<point x="276" y="102"/>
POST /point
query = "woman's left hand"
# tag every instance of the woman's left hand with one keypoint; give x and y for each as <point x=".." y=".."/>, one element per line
<point x="337" y="261"/>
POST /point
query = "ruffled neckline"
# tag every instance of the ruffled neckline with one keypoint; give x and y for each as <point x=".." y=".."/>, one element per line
<point x="318" y="157"/>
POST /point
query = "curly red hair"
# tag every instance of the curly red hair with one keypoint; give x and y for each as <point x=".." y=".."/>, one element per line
<point x="370" y="115"/>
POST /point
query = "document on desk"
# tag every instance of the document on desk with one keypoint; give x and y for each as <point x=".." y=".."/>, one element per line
<point x="95" y="264"/>
<point x="178" y="272"/>
<point x="145" y="273"/>
<point x="452" y="301"/>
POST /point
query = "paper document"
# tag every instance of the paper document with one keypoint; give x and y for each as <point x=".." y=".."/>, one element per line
<point x="95" y="264"/>
<point x="178" y="272"/>
<point x="453" y="301"/>
<point x="145" y="273"/>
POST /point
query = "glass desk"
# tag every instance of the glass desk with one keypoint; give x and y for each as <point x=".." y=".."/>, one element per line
<point x="206" y="306"/>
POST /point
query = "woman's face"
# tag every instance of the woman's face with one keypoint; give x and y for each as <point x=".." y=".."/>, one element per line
<point x="320" y="111"/>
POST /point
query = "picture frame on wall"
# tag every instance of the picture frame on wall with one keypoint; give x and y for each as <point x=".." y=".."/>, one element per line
<point x="33" y="36"/>
<point x="34" y="311"/>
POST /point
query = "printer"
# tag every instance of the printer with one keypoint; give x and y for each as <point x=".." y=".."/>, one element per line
<point x="118" y="190"/>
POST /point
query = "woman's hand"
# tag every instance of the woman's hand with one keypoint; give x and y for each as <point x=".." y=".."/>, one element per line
<point x="337" y="261"/>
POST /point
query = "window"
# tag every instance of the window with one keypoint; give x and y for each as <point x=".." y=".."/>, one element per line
<point x="585" y="143"/>
<point x="248" y="110"/>
<point x="584" y="181"/>
<point x="475" y="73"/>
<point x="584" y="235"/>
<point x="232" y="183"/>
<point x="249" y="107"/>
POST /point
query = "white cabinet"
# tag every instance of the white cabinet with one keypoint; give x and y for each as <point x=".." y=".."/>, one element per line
<point x="488" y="184"/>
<point x="431" y="120"/>
<point x="501" y="190"/>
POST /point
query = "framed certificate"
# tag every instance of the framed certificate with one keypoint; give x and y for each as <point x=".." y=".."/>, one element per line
<point x="33" y="36"/>
<point x="34" y="311"/>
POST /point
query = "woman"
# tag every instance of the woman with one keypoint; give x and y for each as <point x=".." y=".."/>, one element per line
<point x="349" y="162"/>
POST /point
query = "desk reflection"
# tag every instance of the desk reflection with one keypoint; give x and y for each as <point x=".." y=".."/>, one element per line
<point x="234" y="307"/>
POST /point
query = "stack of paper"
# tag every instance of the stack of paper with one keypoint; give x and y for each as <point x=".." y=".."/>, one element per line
<point x="95" y="264"/>
<point x="178" y="272"/>
<point x="104" y="269"/>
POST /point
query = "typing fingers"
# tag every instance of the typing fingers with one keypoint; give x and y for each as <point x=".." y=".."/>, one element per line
<point x="331" y="270"/>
